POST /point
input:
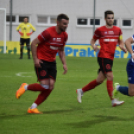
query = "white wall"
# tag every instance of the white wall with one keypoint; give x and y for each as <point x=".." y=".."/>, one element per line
<point x="74" y="9"/>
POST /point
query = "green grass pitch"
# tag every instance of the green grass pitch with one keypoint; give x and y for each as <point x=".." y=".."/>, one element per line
<point x="62" y="114"/>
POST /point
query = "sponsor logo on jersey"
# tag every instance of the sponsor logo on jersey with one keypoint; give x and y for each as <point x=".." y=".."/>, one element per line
<point x="105" y="32"/>
<point x="54" y="48"/>
<point x="110" y="32"/>
<point x="58" y="39"/>
<point x="54" y="39"/>
<point x="110" y="40"/>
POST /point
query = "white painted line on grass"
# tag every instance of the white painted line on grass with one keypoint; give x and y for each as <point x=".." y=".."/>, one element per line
<point x="23" y="74"/>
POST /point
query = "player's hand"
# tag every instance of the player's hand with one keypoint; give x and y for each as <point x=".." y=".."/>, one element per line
<point x="37" y="63"/>
<point x="29" y="33"/>
<point x="124" y="49"/>
<point x="65" y="68"/>
<point x="96" y="48"/>
<point x="21" y="34"/>
<point x="133" y="57"/>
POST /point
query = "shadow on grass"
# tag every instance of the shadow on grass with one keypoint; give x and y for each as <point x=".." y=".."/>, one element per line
<point x="99" y="119"/>
<point x="7" y="116"/>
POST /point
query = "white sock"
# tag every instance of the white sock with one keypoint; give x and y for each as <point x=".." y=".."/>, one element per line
<point x="34" y="105"/>
<point x="117" y="87"/>
<point x="26" y="87"/>
<point x="82" y="91"/>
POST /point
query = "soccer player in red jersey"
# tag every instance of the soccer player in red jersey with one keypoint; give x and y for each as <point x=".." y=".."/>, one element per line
<point x="108" y="35"/>
<point x="50" y="42"/>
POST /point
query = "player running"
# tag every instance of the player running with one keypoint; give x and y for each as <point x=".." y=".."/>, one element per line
<point x="127" y="90"/>
<point x="50" y="41"/>
<point x="108" y="36"/>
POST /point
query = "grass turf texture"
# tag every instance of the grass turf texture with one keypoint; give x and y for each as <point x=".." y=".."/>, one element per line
<point x="62" y="114"/>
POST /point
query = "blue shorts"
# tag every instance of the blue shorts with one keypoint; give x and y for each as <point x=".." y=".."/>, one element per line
<point x="130" y="71"/>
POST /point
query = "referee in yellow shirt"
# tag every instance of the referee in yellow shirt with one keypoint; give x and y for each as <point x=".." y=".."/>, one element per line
<point x="24" y="30"/>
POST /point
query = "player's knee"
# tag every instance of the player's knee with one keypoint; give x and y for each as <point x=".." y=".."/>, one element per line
<point x="45" y="86"/>
<point x="51" y="87"/>
<point x="109" y="77"/>
<point x="21" y="47"/>
<point x="28" y="47"/>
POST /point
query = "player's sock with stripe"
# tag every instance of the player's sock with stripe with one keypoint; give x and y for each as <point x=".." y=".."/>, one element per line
<point x="90" y="86"/>
<point x="35" y="87"/>
<point x="123" y="90"/>
<point x="42" y="96"/>
<point x="110" y="88"/>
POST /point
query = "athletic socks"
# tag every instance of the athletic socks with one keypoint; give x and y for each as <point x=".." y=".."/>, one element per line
<point x="35" y="87"/>
<point x="34" y="105"/>
<point x="110" y="88"/>
<point x="90" y="86"/>
<point x="123" y="90"/>
<point x="42" y="96"/>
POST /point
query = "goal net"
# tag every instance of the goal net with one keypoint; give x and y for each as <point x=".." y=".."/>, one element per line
<point x="2" y="30"/>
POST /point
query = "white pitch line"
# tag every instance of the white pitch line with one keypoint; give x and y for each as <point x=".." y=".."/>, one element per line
<point x="22" y="74"/>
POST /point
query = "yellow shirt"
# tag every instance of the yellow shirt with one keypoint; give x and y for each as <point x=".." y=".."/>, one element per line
<point x="25" y="28"/>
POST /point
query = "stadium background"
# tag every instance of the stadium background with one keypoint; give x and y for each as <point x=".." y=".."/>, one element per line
<point x="42" y="14"/>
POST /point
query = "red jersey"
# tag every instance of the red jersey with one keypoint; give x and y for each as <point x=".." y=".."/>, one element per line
<point x="50" y="41"/>
<point x="108" y="39"/>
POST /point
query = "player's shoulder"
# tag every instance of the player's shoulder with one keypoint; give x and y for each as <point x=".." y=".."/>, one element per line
<point x="65" y="34"/>
<point x="21" y="23"/>
<point x="116" y="28"/>
<point x="52" y="28"/>
<point x="101" y="28"/>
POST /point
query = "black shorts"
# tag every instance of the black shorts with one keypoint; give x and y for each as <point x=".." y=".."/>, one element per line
<point x="47" y="70"/>
<point x="105" y="65"/>
<point x="23" y="41"/>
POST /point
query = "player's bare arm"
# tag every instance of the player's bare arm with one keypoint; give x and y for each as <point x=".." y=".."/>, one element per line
<point x="122" y="46"/>
<point x="128" y="43"/>
<point x="33" y="49"/>
<point x="92" y="42"/>
<point x="63" y="59"/>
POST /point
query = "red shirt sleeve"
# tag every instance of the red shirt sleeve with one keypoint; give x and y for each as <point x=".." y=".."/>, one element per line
<point x="44" y="36"/>
<point x="96" y="34"/>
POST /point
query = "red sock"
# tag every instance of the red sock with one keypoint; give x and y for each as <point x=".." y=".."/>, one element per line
<point x="110" y="88"/>
<point x="35" y="87"/>
<point x="90" y="86"/>
<point x="42" y="96"/>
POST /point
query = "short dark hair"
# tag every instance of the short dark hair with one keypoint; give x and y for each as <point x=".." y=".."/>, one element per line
<point x="62" y="16"/>
<point x="108" y="12"/>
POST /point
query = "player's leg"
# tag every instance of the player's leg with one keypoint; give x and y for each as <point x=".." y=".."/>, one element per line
<point x="115" y="102"/>
<point x="21" y="47"/>
<point x="52" y="72"/>
<point x="91" y="85"/>
<point x="129" y="91"/>
<point x="42" y="74"/>
<point x="109" y="84"/>
<point x="28" y="47"/>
